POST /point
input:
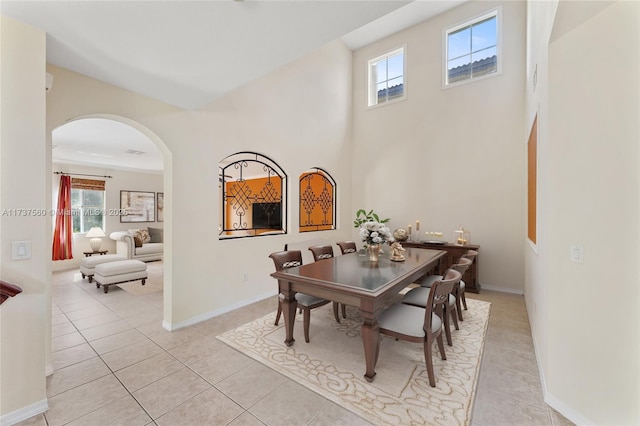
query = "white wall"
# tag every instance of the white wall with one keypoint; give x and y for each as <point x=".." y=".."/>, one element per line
<point x="298" y="116"/>
<point x="540" y="18"/>
<point x="449" y="157"/>
<point x="584" y="317"/>
<point x="24" y="165"/>
<point x="121" y="181"/>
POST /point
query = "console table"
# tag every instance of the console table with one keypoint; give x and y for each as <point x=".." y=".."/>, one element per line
<point x="91" y="253"/>
<point x="454" y="252"/>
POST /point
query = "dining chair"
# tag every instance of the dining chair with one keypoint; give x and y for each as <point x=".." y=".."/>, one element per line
<point x="288" y="259"/>
<point x="321" y="252"/>
<point x="415" y="324"/>
<point x="461" y="265"/>
<point x="418" y="296"/>
<point x="470" y="254"/>
<point x="347" y="247"/>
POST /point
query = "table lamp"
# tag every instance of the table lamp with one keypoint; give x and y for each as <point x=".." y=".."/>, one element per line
<point x="96" y="235"/>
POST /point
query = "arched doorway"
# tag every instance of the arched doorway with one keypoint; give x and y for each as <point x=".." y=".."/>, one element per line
<point x="130" y="157"/>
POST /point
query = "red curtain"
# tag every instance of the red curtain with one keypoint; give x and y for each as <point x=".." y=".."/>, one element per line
<point x="63" y="234"/>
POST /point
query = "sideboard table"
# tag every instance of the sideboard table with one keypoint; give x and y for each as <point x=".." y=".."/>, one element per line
<point x="91" y="253"/>
<point x="454" y="252"/>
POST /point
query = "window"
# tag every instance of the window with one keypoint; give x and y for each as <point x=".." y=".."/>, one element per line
<point x="87" y="204"/>
<point x="473" y="49"/>
<point x="386" y="77"/>
<point x="317" y="201"/>
<point x="254" y="194"/>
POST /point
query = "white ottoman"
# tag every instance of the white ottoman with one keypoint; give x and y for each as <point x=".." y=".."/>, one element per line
<point x="88" y="264"/>
<point x="119" y="272"/>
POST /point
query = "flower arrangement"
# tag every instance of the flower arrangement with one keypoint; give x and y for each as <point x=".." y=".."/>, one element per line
<point x="374" y="232"/>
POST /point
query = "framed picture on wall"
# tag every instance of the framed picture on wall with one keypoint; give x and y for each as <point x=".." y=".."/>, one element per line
<point x="160" y="206"/>
<point x="139" y="206"/>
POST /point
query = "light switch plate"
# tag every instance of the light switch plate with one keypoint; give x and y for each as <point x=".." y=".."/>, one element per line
<point x="20" y="250"/>
<point x="577" y="254"/>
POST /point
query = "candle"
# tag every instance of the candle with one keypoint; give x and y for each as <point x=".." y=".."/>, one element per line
<point x="409" y="230"/>
<point x="417" y="225"/>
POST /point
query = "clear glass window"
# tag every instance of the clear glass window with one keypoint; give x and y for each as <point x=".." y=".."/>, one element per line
<point x="473" y="49"/>
<point x="87" y="209"/>
<point x="386" y="77"/>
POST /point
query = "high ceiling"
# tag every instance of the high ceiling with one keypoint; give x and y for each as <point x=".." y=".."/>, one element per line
<point x="188" y="53"/>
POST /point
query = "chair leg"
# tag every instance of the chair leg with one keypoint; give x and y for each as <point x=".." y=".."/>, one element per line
<point x="306" y="321"/>
<point x="344" y="310"/>
<point x="336" y="308"/>
<point x="458" y="307"/>
<point x="443" y="355"/>
<point x="447" y="326"/>
<point x="464" y="299"/>
<point x="279" y="313"/>
<point x="429" y="362"/>
<point x="454" y="316"/>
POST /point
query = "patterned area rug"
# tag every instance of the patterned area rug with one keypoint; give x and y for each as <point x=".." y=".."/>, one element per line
<point x="154" y="282"/>
<point x="332" y="365"/>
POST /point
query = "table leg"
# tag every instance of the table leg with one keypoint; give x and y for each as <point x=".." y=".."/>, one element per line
<point x="371" y="341"/>
<point x="289" y="307"/>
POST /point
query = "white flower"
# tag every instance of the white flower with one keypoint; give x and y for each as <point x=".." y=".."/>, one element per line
<point x="375" y="233"/>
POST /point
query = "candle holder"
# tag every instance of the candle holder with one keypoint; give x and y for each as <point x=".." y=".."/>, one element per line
<point x="434" y="237"/>
<point x="463" y="236"/>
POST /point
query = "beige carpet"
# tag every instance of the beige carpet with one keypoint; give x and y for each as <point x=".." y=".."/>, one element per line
<point x="154" y="282"/>
<point x="332" y="364"/>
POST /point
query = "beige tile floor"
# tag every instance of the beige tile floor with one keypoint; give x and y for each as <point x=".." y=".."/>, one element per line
<point x="114" y="364"/>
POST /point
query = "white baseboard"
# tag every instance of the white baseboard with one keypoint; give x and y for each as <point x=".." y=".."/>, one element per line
<point x="502" y="289"/>
<point x="208" y="315"/>
<point x="24" y="413"/>
<point x="565" y="410"/>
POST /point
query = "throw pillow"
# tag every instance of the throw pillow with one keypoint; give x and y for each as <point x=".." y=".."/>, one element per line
<point x="156" y="235"/>
<point x="137" y="241"/>
<point x="142" y="233"/>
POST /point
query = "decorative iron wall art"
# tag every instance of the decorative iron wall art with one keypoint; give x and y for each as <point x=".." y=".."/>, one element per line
<point x="317" y="201"/>
<point x="253" y="195"/>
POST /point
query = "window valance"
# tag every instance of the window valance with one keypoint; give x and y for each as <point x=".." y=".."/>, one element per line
<point x="92" y="184"/>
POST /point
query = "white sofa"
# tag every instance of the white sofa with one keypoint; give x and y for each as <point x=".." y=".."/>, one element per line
<point x="125" y="247"/>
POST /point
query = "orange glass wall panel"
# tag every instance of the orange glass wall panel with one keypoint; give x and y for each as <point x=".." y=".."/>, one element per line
<point x="253" y="188"/>
<point x="532" y="176"/>
<point x="314" y="220"/>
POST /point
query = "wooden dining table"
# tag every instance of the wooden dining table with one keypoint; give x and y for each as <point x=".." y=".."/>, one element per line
<point x="352" y="279"/>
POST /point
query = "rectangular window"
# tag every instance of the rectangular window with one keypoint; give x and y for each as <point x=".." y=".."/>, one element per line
<point x="386" y="77"/>
<point x="87" y="204"/>
<point x="473" y="49"/>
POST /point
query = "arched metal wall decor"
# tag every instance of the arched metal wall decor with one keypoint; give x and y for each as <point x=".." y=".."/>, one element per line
<point x="253" y="196"/>
<point x="317" y="201"/>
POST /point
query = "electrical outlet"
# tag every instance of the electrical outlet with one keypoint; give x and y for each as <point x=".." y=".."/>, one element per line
<point x="245" y="277"/>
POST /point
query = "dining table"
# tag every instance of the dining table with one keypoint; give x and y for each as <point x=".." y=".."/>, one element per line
<point x="354" y="280"/>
